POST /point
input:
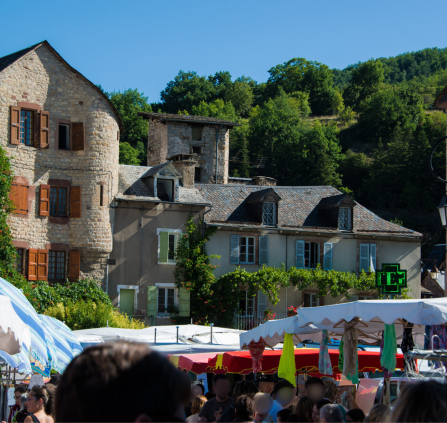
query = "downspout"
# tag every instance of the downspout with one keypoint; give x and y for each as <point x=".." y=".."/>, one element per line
<point x="203" y="222"/>
<point x="217" y="148"/>
<point x="287" y="236"/>
<point x="113" y="205"/>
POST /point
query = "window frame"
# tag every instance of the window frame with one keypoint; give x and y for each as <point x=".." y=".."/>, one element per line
<point x="161" y="181"/>
<point x="58" y="188"/>
<point x="55" y="273"/>
<point x="68" y="140"/>
<point x="246" y="238"/>
<point x="346" y="218"/>
<point x="22" y="256"/>
<point x="248" y="300"/>
<point x="196" y="127"/>
<point x="311" y="251"/>
<point x="197" y="147"/>
<point x="273" y="213"/>
<point x="22" y="135"/>
<point x="197" y="171"/>
<point x="313" y="299"/>
<point x="177" y="233"/>
<point x="165" y="287"/>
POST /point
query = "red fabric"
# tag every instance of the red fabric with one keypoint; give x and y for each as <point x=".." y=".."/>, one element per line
<point x="14" y="408"/>
<point x="256" y="353"/>
<point x="197" y="363"/>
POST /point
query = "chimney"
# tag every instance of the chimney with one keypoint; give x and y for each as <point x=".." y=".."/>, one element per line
<point x="264" y="181"/>
<point x="185" y="164"/>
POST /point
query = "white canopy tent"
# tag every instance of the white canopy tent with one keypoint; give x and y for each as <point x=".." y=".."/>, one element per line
<point x="13" y="331"/>
<point x="371" y="316"/>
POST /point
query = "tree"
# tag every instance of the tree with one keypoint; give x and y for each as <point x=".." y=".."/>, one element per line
<point x="128" y="155"/>
<point x="337" y="103"/>
<point x="240" y="94"/>
<point x="300" y="101"/>
<point x="218" y="109"/>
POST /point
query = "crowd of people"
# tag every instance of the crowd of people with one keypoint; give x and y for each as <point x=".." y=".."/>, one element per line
<point x="127" y="382"/>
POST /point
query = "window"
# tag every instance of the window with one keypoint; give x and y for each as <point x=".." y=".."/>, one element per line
<point x="101" y="195"/>
<point x="20" y="254"/>
<point x="311" y="255"/>
<point x="27" y="127"/>
<point x="247" y="250"/>
<point x="246" y="303"/>
<point x="367" y="257"/>
<point x="58" y="201"/>
<point x="197" y="150"/>
<point x="196" y="133"/>
<point x="56" y="266"/>
<point x="268" y="214"/>
<point x="197" y="174"/>
<point x="344" y="219"/>
<point x="311" y="300"/>
<point x="171" y="247"/>
<point x="165" y="189"/>
<point x="167" y="245"/>
<point x="64" y="137"/>
<point x="365" y="297"/>
<point x="166" y="299"/>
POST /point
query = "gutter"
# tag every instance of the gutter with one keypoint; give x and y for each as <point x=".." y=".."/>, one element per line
<point x="161" y="202"/>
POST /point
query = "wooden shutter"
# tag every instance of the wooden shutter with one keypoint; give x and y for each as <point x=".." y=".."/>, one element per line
<point x="74" y="266"/>
<point x="44" y="135"/>
<point x="262" y="303"/>
<point x="264" y="250"/>
<point x="364" y="257"/>
<point x="299" y="256"/>
<point x="78" y="136"/>
<point x="15" y="125"/>
<point x="32" y="264"/>
<point x="327" y="264"/>
<point x="151" y="301"/>
<point x="184" y="305"/>
<point x="75" y="202"/>
<point x="372" y="262"/>
<point x="19" y="196"/>
<point x="44" y="203"/>
<point x="163" y="246"/>
<point x="42" y="265"/>
<point x="234" y="249"/>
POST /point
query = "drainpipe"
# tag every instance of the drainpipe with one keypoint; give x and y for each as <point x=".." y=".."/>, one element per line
<point x="113" y="206"/>
<point x="286" y="270"/>
<point x="203" y="222"/>
<point x="217" y="148"/>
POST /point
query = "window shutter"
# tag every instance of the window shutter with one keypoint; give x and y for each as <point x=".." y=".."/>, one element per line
<point x="299" y="259"/>
<point x="328" y="246"/>
<point x="264" y="250"/>
<point x="151" y="301"/>
<point x="19" y="196"/>
<point x="184" y="302"/>
<point x="74" y="266"/>
<point x="75" y="202"/>
<point x="234" y="253"/>
<point x="42" y="265"/>
<point x="44" y="138"/>
<point x="372" y="264"/>
<point x="15" y="125"/>
<point x="44" y="203"/>
<point x="163" y="247"/>
<point x="349" y="218"/>
<point x="77" y="140"/>
<point x="364" y="257"/>
<point x="262" y="303"/>
<point x="32" y="264"/>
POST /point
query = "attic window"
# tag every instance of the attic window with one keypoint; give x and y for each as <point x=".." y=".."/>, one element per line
<point x="165" y="189"/>
<point x="269" y="214"/>
<point x="344" y="219"/>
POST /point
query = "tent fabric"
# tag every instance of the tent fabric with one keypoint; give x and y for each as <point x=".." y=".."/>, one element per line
<point x="287" y="365"/>
<point x="19" y="361"/>
<point x="195" y="363"/>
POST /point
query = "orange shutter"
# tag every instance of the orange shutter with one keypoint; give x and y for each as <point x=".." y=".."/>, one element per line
<point x="74" y="266"/>
<point x="19" y="196"/>
<point x="44" y="139"/>
<point x="32" y="264"/>
<point x="42" y="265"/>
<point x="78" y="135"/>
<point x="44" y="205"/>
<point x="15" y="125"/>
<point x="75" y="202"/>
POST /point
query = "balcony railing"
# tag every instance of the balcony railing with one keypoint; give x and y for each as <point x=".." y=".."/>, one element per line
<point x="250" y="321"/>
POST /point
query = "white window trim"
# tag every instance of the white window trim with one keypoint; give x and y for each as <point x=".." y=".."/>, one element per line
<point x="169" y="286"/>
<point x="171" y="231"/>
<point x="134" y="287"/>
<point x="274" y="213"/>
<point x="310" y="249"/>
<point x="246" y="254"/>
<point x="312" y="294"/>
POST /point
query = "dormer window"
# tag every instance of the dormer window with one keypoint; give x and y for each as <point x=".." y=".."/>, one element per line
<point x="269" y="214"/>
<point x="165" y="189"/>
<point x="344" y="219"/>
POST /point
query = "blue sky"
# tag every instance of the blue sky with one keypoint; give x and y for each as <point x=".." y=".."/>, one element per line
<point x="143" y="44"/>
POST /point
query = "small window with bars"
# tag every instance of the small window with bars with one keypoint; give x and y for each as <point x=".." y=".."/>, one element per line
<point x="269" y="214"/>
<point x="56" y="266"/>
<point x="20" y="255"/>
<point x="58" y="201"/>
<point x="344" y="219"/>
<point x="166" y="299"/>
<point x="247" y="250"/>
<point x="26" y="127"/>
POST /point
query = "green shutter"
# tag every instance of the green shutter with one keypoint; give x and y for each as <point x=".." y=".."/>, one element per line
<point x="151" y="301"/>
<point x="184" y="302"/>
<point x="163" y="247"/>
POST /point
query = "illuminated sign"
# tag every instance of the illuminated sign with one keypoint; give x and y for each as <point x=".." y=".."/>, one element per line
<point x="391" y="279"/>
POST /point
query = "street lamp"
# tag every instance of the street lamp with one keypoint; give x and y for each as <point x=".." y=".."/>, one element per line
<point x="442" y="209"/>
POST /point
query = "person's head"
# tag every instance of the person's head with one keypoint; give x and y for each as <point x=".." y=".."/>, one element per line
<point x="316" y="409"/>
<point x="197" y="404"/>
<point x="245" y="387"/>
<point x="355" y="415"/>
<point x="379" y="413"/>
<point x="262" y="404"/>
<point x="331" y="390"/>
<point x="283" y="392"/>
<point x="106" y="374"/>
<point x="197" y="390"/>
<point x="243" y="408"/>
<point x="221" y="386"/>
<point x="304" y="409"/>
<point x="18" y="392"/>
<point x="23" y="402"/>
<point x="39" y="399"/>
<point x="315" y="389"/>
<point x="421" y="402"/>
<point x="331" y="413"/>
<point x="283" y="415"/>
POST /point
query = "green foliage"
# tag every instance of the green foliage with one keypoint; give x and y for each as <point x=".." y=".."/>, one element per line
<point x="347" y="115"/>
<point x="300" y="102"/>
<point x="128" y="155"/>
<point x="218" y="109"/>
<point x="338" y="104"/>
<point x="240" y="95"/>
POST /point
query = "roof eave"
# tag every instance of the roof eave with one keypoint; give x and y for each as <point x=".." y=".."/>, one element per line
<point x="206" y="122"/>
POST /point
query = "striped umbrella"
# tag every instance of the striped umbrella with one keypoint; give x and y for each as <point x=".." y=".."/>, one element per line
<point x="18" y="361"/>
<point x="30" y="317"/>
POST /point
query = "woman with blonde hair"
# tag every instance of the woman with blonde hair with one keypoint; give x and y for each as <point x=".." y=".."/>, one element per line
<point x="197" y="404"/>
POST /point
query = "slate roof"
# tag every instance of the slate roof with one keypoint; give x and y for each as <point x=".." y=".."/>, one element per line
<point x="297" y="210"/>
<point x="132" y="188"/>
<point x="260" y="194"/>
<point x="155" y="169"/>
<point x="187" y="118"/>
<point x="329" y="201"/>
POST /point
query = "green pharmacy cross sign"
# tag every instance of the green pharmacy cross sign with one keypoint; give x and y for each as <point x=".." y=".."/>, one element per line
<point x="391" y="279"/>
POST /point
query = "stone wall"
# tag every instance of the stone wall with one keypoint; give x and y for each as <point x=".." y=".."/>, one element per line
<point x="41" y="78"/>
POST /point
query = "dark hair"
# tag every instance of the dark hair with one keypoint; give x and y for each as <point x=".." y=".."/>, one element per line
<point x="20" y="388"/>
<point x="284" y="414"/>
<point x="244" y="387"/>
<point x="421" y="402"/>
<point x="304" y="409"/>
<point x="332" y="413"/>
<point x="356" y="414"/>
<point x="47" y="397"/>
<point x="293" y="418"/>
<point x="106" y="374"/>
<point x="322" y="403"/>
<point x="314" y="380"/>
<point x="219" y="376"/>
<point x="244" y="408"/>
<point x="283" y="383"/>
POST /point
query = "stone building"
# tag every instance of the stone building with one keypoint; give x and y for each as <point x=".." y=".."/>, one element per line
<point x="61" y="134"/>
<point x="207" y="137"/>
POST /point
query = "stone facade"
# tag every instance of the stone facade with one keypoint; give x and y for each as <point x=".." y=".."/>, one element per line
<point x="40" y="79"/>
